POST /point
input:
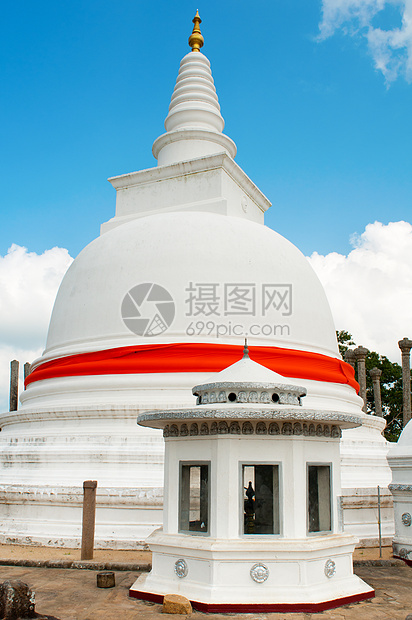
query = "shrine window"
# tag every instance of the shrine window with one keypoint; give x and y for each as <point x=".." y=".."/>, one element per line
<point x="319" y="498"/>
<point x="194" y="498"/>
<point x="260" y="499"/>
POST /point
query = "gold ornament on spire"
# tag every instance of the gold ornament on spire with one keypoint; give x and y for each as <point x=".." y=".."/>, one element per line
<point x="196" y="40"/>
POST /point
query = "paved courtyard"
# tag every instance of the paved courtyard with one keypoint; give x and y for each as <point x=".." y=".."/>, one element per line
<point x="70" y="594"/>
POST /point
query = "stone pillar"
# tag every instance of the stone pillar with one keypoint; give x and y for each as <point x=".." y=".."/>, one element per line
<point x="361" y="353"/>
<point x="405" y="346"/>
<point x="26" y="370"/>
<point x="14" y="385"/>
<point x="375" y="374"/>
<point x="89" y="518"/>
<point x="350" y="357"/>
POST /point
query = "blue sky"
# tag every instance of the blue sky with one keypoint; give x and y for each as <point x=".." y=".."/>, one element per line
<point x="86" y="87"/>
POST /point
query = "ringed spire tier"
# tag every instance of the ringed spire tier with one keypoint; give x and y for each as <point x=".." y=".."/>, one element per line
<point x="194" y="124"/>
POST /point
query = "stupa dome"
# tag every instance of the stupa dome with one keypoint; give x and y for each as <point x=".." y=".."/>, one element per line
<point x="403" y="447"/>
<point x="180" y="252"/>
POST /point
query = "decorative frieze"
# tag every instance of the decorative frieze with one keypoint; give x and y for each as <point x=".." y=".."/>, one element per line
<point x="274" y="428"/>
<point x="223" y="427"/>
<point x="234" y="428"/>
<point x="400" y="551"/>
<point x="251" y="412"/>
<point x="400" y="487"/>
<point x="173" y="431"/>
<point x="259" y="572"/>
<point x="330" y="568"/>
<point x="261" y="428"/>
<point x="247" y="428"/>
<point x="181" y="568"/>
<point x="281" y="394"/>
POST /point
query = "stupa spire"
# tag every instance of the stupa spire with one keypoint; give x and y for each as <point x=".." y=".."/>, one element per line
<point x="196" y="39"/>
<point x="194" y="124"/>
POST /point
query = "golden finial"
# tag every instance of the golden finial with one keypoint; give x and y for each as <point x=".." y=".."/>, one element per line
<point x="196" y="40"/>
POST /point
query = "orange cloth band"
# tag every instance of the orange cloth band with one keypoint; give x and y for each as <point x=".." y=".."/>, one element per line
<point x="195" y="357"/>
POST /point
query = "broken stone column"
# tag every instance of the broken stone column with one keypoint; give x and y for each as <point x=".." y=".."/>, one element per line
<point x="16" y="600"/>
<point x="14" y="385"/>
<point x="26" y="370"/>
<point x="375" y="374"/>
<point x="405" y="346"/>
<point x="89" y="518"/>
<point x="350" y="357"/>
<point x="361" y="353"/>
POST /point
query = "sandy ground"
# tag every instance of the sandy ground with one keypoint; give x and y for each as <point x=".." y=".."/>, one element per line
<point x="69" y="594"/>
<point x="20" y="552"/>
<point x="372" y="553"/>
<point x="29" y="552"/>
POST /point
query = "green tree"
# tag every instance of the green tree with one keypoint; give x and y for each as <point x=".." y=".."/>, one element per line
<point x="391" y="386"/>
<point x="344" y="341"/>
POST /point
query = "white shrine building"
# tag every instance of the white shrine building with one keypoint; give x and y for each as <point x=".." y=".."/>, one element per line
<point x="252" y="518"/>
<point x="157" y="303"/>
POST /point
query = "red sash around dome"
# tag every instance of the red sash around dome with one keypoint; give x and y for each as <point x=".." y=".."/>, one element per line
<point x="194" y="357"/>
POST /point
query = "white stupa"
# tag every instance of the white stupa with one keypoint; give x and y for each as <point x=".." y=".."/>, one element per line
<point x="182" y="272"/>
<point x="400" y="461"/>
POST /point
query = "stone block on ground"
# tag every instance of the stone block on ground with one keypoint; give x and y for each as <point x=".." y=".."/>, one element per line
<point x="105" y="579"/>
<point x="176" y="604"/>
<point x="16" y="601"/>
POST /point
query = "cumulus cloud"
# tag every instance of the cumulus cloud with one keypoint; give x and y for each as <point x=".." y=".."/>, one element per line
<point x="28" y="287"/>
<point x="370" y="289"/>
<point x="390" y="48"/>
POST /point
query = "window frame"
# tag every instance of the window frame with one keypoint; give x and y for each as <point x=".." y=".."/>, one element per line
<point x="192" y="463"/>
<point x="249" y="463"/>
<point x="328" y="464"/>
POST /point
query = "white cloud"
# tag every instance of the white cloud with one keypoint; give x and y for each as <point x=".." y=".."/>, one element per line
<point x="28" y="287"/>
<point x="390" y="48"/>
<point x="370" y="289"/>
